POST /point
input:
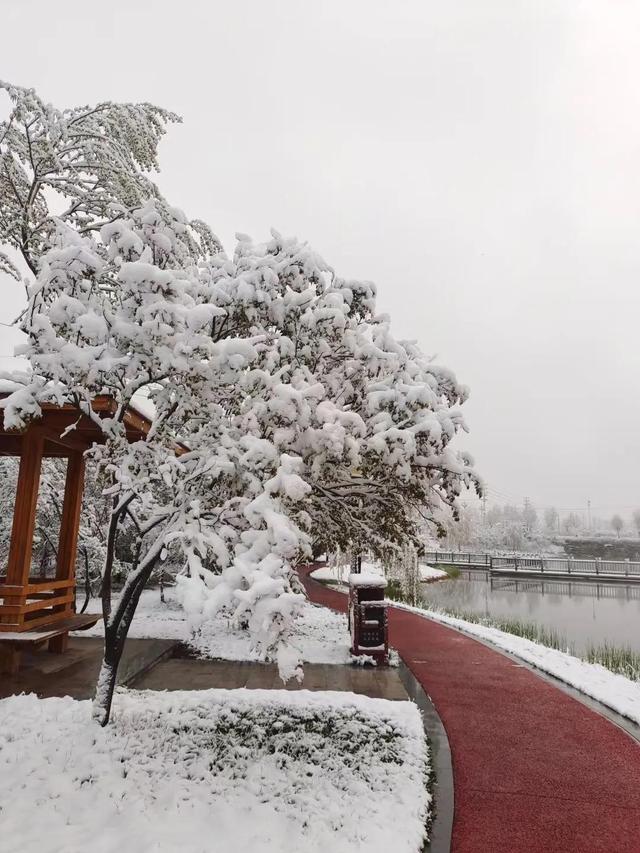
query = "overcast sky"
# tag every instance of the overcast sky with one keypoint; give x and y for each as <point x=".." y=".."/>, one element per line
<point x="478" y="160"/>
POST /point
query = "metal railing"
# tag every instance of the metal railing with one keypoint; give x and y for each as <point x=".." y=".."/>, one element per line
<point x="542" y="565"/>
<point x="452" y="558"/>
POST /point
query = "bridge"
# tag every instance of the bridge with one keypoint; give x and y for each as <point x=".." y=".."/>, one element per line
<point x="622" y="571"/>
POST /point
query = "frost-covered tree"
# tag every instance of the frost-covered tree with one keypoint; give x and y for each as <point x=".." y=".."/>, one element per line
<point x="572" y="523"/>
<point x="617" y="524"/>
<point x="511" y="513"/>
<point x="284" y="410"/>
<point x="636" y="520"/>
<point x="551" y="519"/>
<point x="84" y="166"/>
<point x="529" y="515"/>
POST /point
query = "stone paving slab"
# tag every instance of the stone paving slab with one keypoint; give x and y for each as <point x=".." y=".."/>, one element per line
<point x="188" y="674"/>
<point x="74" y="673"/>
<point x="148" y="664"/>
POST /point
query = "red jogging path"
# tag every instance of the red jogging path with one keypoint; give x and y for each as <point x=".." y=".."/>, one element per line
<point x="535" y="770"/>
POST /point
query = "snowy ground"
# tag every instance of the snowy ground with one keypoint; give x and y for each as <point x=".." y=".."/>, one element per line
<point x="319" y="635"/>
<point x="238" y="771"/>
<point x="340" y="574"/>
<point x="615" y="691"/>
<point x="429" y="573"/>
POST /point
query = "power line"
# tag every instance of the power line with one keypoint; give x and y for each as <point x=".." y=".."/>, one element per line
<point x="505" y="496"/>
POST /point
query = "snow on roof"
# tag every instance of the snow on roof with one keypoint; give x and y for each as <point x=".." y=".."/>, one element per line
<point x="143" y="406"/>
<point x="19" y="367"/>
<point x="13" y="371"/>
<point x="7" y="386"/>
<point x="365" y="579"/>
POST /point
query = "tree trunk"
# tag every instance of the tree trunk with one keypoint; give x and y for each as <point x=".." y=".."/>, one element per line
<point x="87" y="580"/>
<point x="115" y="635"/>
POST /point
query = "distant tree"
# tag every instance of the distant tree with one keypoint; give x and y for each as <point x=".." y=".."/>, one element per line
<point x="636" y="520"/>
<point x="551" y="519"/>
<point x="617" y="523"/>
<point x="571" y="523"/>
<point x="529" y="515"/>
<point x="515" y="535"/>
<point x="494" y="516"/>
<point x="511" y="513"/>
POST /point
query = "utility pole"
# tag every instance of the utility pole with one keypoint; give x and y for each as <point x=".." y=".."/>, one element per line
<point x="589" y="514"/>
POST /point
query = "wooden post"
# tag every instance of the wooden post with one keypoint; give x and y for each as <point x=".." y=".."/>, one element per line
<point x="68" y="541"/>
<point x="24" y="517"/>
<point x="70" y="521"/>
<point x="9" y="660"/>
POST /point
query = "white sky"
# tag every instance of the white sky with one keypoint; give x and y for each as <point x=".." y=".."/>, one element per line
<point x="478" y="159"/>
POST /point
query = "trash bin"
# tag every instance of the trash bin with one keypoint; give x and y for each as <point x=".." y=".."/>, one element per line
<point x="368" y="617"/>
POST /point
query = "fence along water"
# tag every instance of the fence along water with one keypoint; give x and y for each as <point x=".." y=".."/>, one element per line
<point x="553" y="566"/>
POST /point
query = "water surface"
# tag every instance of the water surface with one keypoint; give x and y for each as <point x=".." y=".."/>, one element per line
<point x="583" y="613"/>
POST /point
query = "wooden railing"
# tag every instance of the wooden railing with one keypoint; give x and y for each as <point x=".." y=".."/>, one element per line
<point x="40" y="602"/>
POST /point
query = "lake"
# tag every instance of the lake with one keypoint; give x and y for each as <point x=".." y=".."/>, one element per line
<point x="583" y="613"/>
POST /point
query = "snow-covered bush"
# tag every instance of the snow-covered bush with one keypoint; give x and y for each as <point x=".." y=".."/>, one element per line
<point x="223" y="770"/>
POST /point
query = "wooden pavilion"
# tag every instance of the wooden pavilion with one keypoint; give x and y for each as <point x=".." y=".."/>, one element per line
<point x="35" y="610"/>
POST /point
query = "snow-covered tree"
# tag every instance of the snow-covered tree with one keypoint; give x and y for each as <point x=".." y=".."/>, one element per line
<point x="636" y="520"/>
<point x="572" y="524"/>
<point x="617" y="524"/>
<point x="88" y="164"/>
<point x="529" y="516"/>
<point x="551" y="519"/>
<point x="511" y="513"/>
<point x="284" y="410"/>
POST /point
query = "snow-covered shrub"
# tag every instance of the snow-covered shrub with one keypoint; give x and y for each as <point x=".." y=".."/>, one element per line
<point x="223" y="770"/>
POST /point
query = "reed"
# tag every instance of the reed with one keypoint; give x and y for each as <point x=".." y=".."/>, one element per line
<point x="528" y="630"/>
<point x="619" y="659"/>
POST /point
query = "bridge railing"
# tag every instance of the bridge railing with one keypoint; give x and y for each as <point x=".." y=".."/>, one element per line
<point x="550" y="565"/>
<point x="455" y="558"/>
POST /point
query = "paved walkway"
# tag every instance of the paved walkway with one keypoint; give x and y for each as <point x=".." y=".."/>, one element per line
<point x="75" y="672"/>
<point x="188" y="674"/>
<point x="535" y="771"/>
<point x="153" y="665"/>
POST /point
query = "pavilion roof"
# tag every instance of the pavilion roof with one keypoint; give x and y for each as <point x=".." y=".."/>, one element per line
<point x="67" y="428"/>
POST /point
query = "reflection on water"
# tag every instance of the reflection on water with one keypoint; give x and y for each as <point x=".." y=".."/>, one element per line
<point x="584" y="613"/>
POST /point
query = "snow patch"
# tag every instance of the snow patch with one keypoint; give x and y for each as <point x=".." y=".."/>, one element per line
<point x="317" y="635"/>
<point x="238" y="771"/>
<point x="367" y="579"/>
<point x="340" y="574"/>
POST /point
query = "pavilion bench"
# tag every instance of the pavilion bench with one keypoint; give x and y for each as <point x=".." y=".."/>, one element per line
<point x="56" y="635"/>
